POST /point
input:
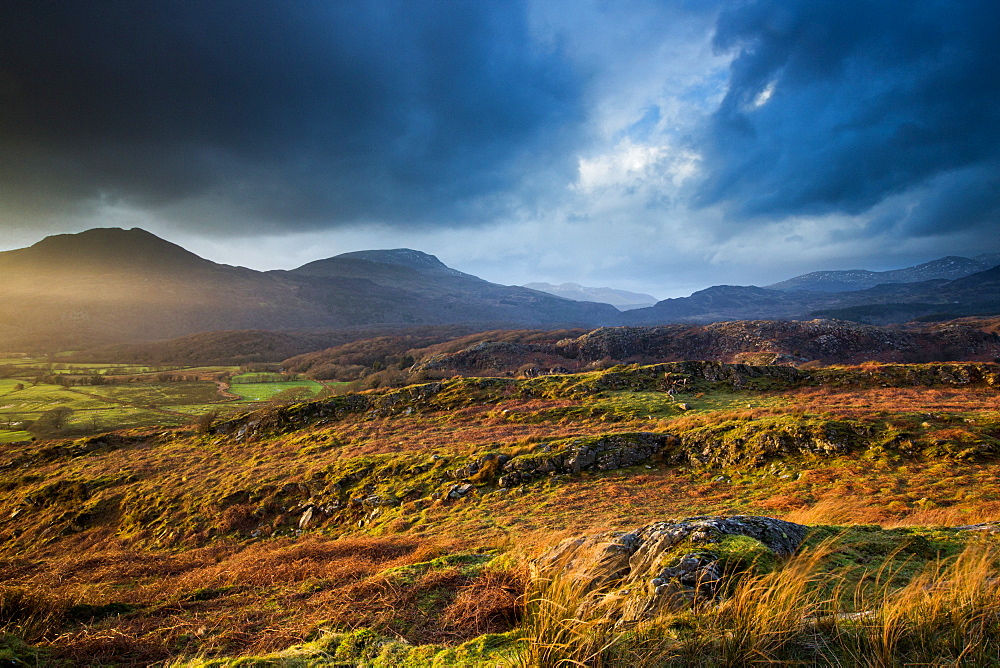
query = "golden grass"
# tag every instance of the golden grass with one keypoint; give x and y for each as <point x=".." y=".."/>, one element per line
<point x="947" y="615"/>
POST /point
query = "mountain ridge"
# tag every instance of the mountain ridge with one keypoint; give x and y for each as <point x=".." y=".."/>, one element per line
<point x="950" y="267"/>
<point x="111" y="285"/>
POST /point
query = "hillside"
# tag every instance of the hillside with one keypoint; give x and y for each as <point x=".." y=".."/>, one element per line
<point x="424" y="525"/>
<point x="112" y="285"/>
<point x="755" y="342"/>
<point x="235" y="347"/>
<point x="400" y="354"/>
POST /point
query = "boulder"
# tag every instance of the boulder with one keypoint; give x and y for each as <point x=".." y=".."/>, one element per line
<point x="629" y="576"/>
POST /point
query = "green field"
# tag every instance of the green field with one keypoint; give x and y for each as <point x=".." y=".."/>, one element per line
<point x="254" y="392"/>
<point x="155" y="396"/>
<point x="259" y="377"/>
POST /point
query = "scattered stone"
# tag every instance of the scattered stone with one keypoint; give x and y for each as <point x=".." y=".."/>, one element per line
<point x="459" y="491"/>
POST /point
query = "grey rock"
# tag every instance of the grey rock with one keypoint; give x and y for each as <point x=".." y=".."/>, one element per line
<point x="630" y="576"/>
<point x="459" y="491"/>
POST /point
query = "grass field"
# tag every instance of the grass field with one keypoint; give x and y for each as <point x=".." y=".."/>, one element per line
<point x="132" y="395"/>
<point x="256" y="392"/>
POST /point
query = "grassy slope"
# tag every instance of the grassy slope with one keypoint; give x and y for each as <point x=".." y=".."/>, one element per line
<point x="254" y="537"/>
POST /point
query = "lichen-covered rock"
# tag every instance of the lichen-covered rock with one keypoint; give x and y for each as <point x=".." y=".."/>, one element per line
<point x="605" y="453"/>
<point x="630" y="576"/>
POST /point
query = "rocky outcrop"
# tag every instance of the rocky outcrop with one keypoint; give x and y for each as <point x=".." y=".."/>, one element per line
<point x="628" y="577"/>
<point x="772" y="342"/>
<point x="604" y="453"/>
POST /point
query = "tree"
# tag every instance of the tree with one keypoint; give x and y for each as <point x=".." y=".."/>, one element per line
<point x="291" y="395"/>
<point x="51" y="421"/>
<point x="203" y="423"/>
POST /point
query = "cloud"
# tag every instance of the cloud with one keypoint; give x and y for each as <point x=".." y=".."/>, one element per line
<point x="833" y="107"/>
<point x="659" y="145"/>
<point x="277" y="115"/>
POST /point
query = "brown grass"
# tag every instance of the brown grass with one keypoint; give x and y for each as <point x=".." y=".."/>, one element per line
<point x="237" y="599"/>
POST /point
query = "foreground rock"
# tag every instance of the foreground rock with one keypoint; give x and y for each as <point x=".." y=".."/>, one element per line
<point x="628" y="577"/>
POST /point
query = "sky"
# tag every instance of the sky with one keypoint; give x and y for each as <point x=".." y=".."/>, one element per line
<point x="657" y="146"/>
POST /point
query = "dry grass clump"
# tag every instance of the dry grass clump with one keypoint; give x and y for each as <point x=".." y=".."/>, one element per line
<point x="492" y="602"/>
<point x="838" y="511"/>
<point x="947" y="615"/>
<point x="556" y="635"/>
<point x="30" y="613"/>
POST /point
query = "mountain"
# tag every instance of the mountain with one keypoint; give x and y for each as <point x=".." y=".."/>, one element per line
<point x="937" y="299"/>
<point x="623" y="300"/>
<point x="430" y="292"/>
<point x="950" y="268"/>
<point x="112" y="285"/>
<point x="104" y="249"/>
<point x="403" y="257"/>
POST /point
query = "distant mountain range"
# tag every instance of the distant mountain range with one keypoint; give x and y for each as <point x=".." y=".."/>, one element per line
<point x="107" y="285"/>
<point x="623" y="300"/>
<point x="948" y="268"/>
<point x="112" y="285"/>
<point x="938" y="299"/>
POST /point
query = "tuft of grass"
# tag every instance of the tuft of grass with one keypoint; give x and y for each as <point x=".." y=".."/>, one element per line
<point x="30" y="613"/>
<point x="801" y="613"/>
<point x="948" y="615"/>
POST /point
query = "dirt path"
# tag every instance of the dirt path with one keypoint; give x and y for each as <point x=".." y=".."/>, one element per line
<point x="223" y="389"/>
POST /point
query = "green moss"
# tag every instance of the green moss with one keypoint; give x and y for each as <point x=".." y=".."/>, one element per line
<point x="361" y="644"/>
<point x="16" y="652"/>
<point x="487" y="650"/>
<point x="364" y="647"/>
<point x="469" y="564"/>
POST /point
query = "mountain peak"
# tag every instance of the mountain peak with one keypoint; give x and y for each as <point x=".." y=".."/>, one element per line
<point x="405" y="257"/>
<point x="111" y="247"/>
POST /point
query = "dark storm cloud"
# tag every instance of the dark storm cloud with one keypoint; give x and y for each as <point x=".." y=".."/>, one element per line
<point x="834" y="106"/>
<point x="308" y="113"/>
